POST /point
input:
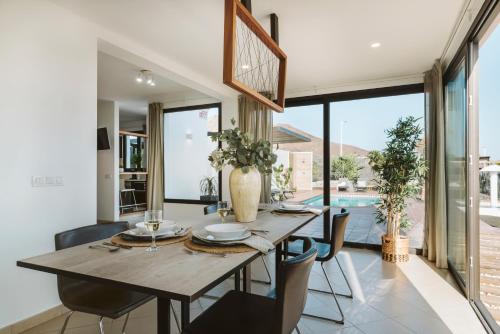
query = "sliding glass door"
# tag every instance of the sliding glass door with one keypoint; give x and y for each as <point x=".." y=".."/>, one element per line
<point x="358" y="127"/>
<point x="456" y="180"/>
<point x="485" y="221"/>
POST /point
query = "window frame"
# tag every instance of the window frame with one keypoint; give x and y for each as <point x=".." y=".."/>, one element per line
<point x="326" y="100"/>
<point x="219" y="124"/>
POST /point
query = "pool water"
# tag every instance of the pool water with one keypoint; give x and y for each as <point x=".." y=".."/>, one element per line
<point x="347" y="202"/>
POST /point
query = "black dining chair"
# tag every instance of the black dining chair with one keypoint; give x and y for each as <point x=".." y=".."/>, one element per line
<point x="244" y="313"/>
<point x="89" y="297"/>
<point x="327" y="251"/>
<point x="212" y="208"/>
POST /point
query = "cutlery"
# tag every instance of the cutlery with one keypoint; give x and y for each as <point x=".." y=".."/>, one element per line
<point x="259" y="234"/>
<point x="114" y="249"/>
<point x="257" y="230"/>
<point x="192" y="252"/>
<point x="116" y="245"/>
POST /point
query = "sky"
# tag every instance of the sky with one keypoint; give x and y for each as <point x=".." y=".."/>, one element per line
<point x="489" y="96"/>
<point x="364" y="121"/>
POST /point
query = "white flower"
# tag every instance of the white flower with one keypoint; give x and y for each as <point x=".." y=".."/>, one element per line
<point x="217" y="162"/>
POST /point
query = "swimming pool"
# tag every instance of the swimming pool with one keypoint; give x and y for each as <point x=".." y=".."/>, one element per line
<point x="347" y="201"/>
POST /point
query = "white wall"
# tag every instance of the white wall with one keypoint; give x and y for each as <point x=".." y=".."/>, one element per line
<point x="108" y="177"/>
<point x="48" y="64"/>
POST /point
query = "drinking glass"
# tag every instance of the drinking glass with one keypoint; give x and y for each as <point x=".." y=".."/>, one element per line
<point x="222" y="210"/>
<point x="152" y="221"/>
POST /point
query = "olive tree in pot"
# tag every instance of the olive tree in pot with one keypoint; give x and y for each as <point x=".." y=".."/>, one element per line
<point x="249" y="159"/>
<point x="399" y="173"/>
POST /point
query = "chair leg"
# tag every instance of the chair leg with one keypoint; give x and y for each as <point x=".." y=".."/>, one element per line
<point x="338" y="321"/>
<point x="125" y="323"/>
<point x="175" y="316"/>
<point x="66" y="322"/>
<point x="101" y="325"/>
<point x="345" y="279"/>
<point x="269" y="281"/>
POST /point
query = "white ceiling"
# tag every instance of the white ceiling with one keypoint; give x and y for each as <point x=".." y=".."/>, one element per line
<point x="327" y="41"/>
<point x="116" y="82"/>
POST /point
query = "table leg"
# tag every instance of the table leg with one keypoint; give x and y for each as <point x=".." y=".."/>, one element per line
<point x="237" y="280"/>
<point x="185" y="314"/>
<point x="285" y="249"/>
<point x="279" y="257"/>
<point x="247" y="279"/>
<point x="163" y="315"/>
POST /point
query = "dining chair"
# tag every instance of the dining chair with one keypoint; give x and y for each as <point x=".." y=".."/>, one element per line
<point x="212" y="208"/>
<point x="89" y="297"/>
<point x="327" y="251"/>
<point x="244" y="313"/>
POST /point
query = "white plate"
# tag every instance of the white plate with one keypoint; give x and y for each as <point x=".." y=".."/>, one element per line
<point x="135" y="232"/>
<point x="165" y="226"/>
<point x="205" y="236"/>
<point x="225" y="231"/>
<point x="293" y="207"/>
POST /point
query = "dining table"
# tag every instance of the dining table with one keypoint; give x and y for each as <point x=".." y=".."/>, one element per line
<point x="171" y="273"/>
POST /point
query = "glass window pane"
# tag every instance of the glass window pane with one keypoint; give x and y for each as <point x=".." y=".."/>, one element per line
<point x="187" y="147"/>
<point x="488" y="180"/>
<point x="298" y="137"/>
<point x="356" y="128"/>
<point x="455" y="132"/>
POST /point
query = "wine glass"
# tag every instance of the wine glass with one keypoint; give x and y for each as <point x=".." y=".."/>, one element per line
<point x="152" y="221"/>
<point x="222" y="210"/>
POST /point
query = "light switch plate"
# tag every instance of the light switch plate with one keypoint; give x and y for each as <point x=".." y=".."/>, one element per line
<point x="47" y="181"/>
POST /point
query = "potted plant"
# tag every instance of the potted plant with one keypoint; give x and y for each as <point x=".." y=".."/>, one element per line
<point x="208" y="189"/>
<point x="282" y="177"/>
<point x="249" y="160"/>
<point x="135" y="160"/>
<point x="399" y="172"/>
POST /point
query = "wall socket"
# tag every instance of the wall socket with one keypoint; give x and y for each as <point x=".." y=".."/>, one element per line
<point x="47" y="181"/>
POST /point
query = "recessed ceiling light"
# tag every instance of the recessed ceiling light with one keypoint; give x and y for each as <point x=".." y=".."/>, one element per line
<point x="375" y="45"/>
<point x="245" y="66"/>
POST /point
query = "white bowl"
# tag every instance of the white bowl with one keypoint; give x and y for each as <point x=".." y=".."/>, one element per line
<point x="224" y="231"/>
<point x="297" y="207"/>
<point x="165" y="227"/>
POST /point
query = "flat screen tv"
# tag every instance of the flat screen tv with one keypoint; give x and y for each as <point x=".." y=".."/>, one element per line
<point x="102" y="139"/>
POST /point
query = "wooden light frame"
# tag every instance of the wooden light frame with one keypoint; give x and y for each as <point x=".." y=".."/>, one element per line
<point x="234" y="9"/>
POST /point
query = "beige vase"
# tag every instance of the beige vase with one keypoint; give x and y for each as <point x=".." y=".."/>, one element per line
<point x="245" y="194"/>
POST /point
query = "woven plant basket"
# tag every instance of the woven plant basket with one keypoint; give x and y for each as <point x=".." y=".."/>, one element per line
<point x="395" y="250"/>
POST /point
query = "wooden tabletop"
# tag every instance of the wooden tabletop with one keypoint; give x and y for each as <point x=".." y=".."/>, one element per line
<point x="171" y="272"/>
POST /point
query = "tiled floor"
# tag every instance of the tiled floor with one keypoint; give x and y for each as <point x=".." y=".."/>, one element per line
<point x="408" y="298"/>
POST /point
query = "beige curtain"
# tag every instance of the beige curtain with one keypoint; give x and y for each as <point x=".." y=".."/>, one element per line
<point x="435" y="243"/>
<point x="155" y="157"/>
<point x="257" y="120"/>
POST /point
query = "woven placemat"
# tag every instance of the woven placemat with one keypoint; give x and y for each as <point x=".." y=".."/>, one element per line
<point x="118" y="240"/>
<point x="217" y="250"/>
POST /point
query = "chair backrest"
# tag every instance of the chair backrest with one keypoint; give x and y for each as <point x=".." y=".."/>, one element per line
<point x="339" y="224"/>
<point x="86" y="234"/>
<point x="79" y="236"/>
<point x="210" y="209"/>
<point x="291" y="291"/>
